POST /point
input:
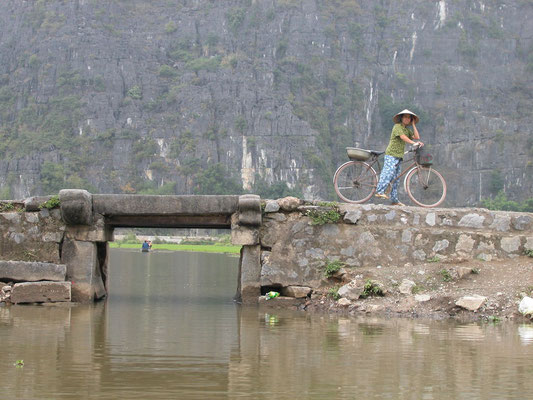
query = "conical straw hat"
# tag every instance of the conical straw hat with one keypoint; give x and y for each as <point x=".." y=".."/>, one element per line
<point x="397" y="118"/>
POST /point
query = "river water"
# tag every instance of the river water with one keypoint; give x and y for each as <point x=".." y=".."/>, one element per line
<point x="170" y="330"/>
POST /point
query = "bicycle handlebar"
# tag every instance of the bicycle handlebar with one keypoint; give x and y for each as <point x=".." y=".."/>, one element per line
<point x="413" y="148"/>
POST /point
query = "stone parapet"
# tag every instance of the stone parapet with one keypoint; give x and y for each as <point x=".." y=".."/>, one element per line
<point x="35" y="203"/>
<point x="475" y="219"/>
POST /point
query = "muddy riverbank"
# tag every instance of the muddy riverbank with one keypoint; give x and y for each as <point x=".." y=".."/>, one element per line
<point x="469" y="290"/>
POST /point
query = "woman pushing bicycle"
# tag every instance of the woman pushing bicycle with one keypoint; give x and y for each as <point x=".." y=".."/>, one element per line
<point x="394" y="153"/>
<point x="356" y="180"/>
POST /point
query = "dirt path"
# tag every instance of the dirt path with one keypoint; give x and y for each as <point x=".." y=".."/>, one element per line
<point x="504" y="283"/>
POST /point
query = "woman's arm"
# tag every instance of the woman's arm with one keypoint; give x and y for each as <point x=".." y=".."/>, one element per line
<point x="407" y="140"/>
<point x="416" y="136"/>
<point x="415" y="131"/>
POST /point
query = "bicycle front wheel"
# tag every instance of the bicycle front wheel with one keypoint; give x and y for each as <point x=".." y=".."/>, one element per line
<point x="355" y="182"/>
<point x="425" y="186"/>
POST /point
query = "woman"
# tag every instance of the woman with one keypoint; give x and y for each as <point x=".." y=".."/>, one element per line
<point x="394" y="153"/>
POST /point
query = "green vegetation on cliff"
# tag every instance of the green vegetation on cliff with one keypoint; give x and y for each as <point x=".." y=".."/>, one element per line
<point x="247" y="96"/>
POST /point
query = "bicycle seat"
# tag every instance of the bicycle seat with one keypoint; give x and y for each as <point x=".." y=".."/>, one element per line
<point x="376" y="153"/>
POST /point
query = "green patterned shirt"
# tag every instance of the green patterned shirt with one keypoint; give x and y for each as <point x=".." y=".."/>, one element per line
<point x="396" y="146"/>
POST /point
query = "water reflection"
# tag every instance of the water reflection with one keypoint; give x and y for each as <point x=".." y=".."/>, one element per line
<point x="526" y="334"/>
<point x="171" y="330"/>
<point x="470" y="332"/>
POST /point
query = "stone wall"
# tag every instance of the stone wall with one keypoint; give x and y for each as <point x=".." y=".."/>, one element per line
<point x="31" y="236"/>
<point x="35" y="238"/>
<point x="30" y="256"/>
<point x="295" y="247"/>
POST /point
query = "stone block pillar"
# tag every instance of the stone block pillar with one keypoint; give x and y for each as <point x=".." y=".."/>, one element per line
<point x="83" y="270"/>
<point x="245" y="232"/>
<point x="80" y="251"/>
<point x="250" y="274"/>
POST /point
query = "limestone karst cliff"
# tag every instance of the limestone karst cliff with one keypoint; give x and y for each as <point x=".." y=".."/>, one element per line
<point x="205" y="96"/>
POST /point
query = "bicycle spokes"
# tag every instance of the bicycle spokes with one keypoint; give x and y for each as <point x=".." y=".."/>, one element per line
<point x="426" y="187"/>
<point x="355" y="182"/>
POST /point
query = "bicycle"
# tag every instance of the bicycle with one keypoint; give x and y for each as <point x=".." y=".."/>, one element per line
<point x="356" y="180"/>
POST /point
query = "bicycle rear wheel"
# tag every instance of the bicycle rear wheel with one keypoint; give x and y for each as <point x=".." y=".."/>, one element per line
<point x="355" y="182"/>
<point x="425" y="186"/>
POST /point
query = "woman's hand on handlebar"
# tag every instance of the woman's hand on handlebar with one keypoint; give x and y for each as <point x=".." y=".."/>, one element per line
<point x="416" y="145"/>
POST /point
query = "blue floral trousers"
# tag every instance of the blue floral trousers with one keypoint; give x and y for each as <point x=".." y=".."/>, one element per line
<point x="391" y="170"/>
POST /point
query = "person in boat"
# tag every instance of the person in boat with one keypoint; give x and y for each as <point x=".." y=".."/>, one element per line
<point x="394" y="154"/>
<point x="145" y="247"/>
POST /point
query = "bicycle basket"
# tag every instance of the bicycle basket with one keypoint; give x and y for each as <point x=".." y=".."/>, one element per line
<point x="423" y="157"/>
<point x="358" y="154"/>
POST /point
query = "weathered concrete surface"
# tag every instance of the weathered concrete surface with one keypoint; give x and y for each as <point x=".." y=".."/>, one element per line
<point x="243" y="235"/>
<point x="76" y="206"/>
<point x="249" y="210"/>
<point x="31" y="236"/>
<point x="123" y="204"/>
<point x="31" y="271"/>
<point x="83" y="270"/>
<point x="250" y="270"/>
<point x="41" y="292"/>
<point x="96" y="232"/>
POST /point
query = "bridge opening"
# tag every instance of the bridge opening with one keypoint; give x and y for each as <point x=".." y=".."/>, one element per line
<point x="93" y="219"/>
<point x="183" y="236"/>
<point x="201" y="264"/>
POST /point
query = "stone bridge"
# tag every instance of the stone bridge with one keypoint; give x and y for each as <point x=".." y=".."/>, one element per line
<point x="286" y="243"/>
<point x="76" y="235"/>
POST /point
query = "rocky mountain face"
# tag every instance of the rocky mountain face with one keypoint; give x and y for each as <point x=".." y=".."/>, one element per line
<point x="262" y="96"/>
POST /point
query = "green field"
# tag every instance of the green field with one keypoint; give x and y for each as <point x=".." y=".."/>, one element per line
<point x="215" y="248"/>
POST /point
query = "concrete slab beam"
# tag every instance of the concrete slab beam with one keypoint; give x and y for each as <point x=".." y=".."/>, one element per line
<point x="25" y="271"/>
<point x="124" y="204"/>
